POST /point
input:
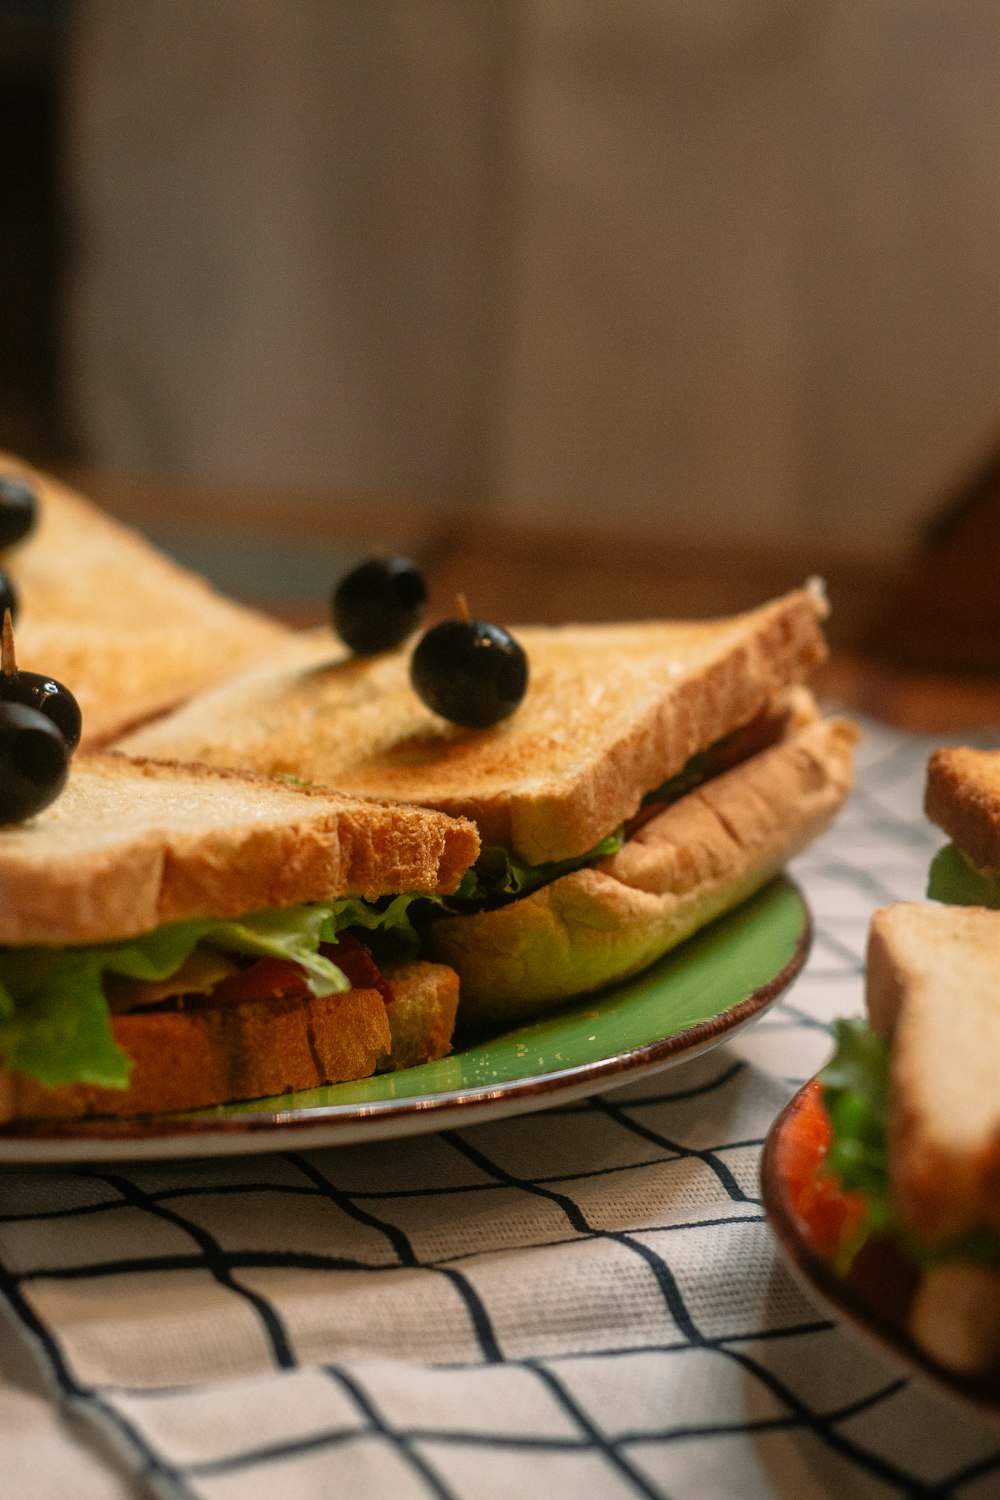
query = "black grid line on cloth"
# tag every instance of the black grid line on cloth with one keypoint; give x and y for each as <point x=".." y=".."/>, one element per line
<point x="213" y="1259"/>
<point x="474" y="1306"/>
<point x="621" y="1115"/>
<point x="404" y="1446"/>
<point x="590" y="1437"/>
<point x="88" y="1400"/>
<point x="236" y="1260"/>
<point x="675" y="1303"/>
<point x="292" y="1190"/>
<point x="610" y="1451"/>
<point x="871" y="886"/>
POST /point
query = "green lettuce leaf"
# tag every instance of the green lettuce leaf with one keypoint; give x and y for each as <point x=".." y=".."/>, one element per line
<point x="388" y="925"/>
<point x="855" y="1094"/>
<point x="955" y="880"/>
<point x="54" y="1024"/>
<point x="54" y="1019"/>
<point x="294" y="933"/>
<point x="856" y="1097"/>
<point x="499" y="876"/>
<point x="693" y="773"/>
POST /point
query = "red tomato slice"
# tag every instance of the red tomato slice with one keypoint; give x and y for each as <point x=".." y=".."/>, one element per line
<point x="827" y="1215"/>
<point x="354" y="960"/>
<point x="267" y="979"/>
<point x="761" y="732"/>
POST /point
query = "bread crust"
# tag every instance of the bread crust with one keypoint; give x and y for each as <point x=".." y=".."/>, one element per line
<point x="611" y="711"/>
<point x="702" y="856"/>
<point x="130" y="632"/>
<point x="131" y="845"/>
<point x="421" y="1013"/>
<point x="933" y="990"/>
<point x="193" y="1059"/>
<point x="963" y="798"/>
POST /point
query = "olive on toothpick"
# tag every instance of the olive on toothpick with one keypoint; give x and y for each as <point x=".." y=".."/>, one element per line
<point x="471" y="672"/>
<point x="18" y="510"/>
<point x="9" y="600"/>
<point x="378" y="604"/>
<point x="36" y="691"/>
<point x="34" y="762"/>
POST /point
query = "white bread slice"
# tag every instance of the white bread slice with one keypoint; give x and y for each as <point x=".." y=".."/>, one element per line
<point x="611" y="711"/>
<point x="963" y="798"/>
<point x="701" y="857"/>
<point x="933" y="989"/>
<point x="130" y="845"/>
<point x="216" y="1054"/>
<point x="955" y="1315"/>
<point x="129" y="632"/>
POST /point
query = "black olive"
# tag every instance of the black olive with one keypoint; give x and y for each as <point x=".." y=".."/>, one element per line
<point x="49" y="697"/>
<point x="34" y="761"/>
<point x="470" y="672"/>
<point x="377" y="605"/>
<point x="8" y="596"/>
<point x="37" y="691"/>
<point x="18" y="508"/>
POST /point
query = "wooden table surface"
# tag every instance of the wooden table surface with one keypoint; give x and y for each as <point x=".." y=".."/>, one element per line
<point x="283" y="550"/>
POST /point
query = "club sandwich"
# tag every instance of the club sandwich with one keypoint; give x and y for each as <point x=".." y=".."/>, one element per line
<point x="655" y="776"/>
<point x="177" y="937"/>
<point x="914" y="1103"/>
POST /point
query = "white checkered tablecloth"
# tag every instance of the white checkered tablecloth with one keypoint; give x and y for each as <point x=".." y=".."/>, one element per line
<point x="585" y="1302"/>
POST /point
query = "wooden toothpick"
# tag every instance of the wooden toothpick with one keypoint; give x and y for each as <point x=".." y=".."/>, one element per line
<point x="8" y="661"/>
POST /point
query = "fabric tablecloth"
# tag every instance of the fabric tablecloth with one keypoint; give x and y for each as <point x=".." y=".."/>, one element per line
<point x="583" y="1302"/>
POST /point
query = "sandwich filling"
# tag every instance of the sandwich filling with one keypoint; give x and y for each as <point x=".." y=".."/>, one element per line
<point x="955" y="880"/>
<point x="56" y="1004"/>
<point x="499" y="877"/>
<point x="855" y="1086"/>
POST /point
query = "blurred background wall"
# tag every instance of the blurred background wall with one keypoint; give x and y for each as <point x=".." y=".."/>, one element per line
<point x="728" y="264"/>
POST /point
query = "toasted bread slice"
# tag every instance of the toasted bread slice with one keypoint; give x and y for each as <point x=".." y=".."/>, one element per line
<point x="215" y="1054"/>
<point x="421" y="1013"/>
<point x="611" y="711"/>
<point x="700" y="857"/>
<point x="933" y="987"/>
<point x="963" y="798"/>
<point x="129" y="632"/>
<point x="131" y="845"/>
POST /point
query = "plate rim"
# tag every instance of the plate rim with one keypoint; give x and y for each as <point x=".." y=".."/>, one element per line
<point x="819" y="1280"/>
<point x="257" y="1130"/>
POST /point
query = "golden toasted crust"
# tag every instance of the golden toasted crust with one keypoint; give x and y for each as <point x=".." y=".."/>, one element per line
<point x="610" y="712"/>
<point x="933" y="988"/>
<point x="700" y="857"/>
<point x="421" y="1013"/>
<point x="131" y="845"/>
<point x="128" y="631"/>
<point x="963" y="798"/>
<point x="254" y="1049"/>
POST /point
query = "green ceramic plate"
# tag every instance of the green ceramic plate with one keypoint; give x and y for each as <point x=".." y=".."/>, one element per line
<point x="716" y="983"/>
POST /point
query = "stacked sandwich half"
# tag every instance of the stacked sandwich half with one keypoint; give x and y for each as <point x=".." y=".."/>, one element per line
<point x="914" y="1099"/>
<point x="176" y="937"/>
<point x="654" y="776"/>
